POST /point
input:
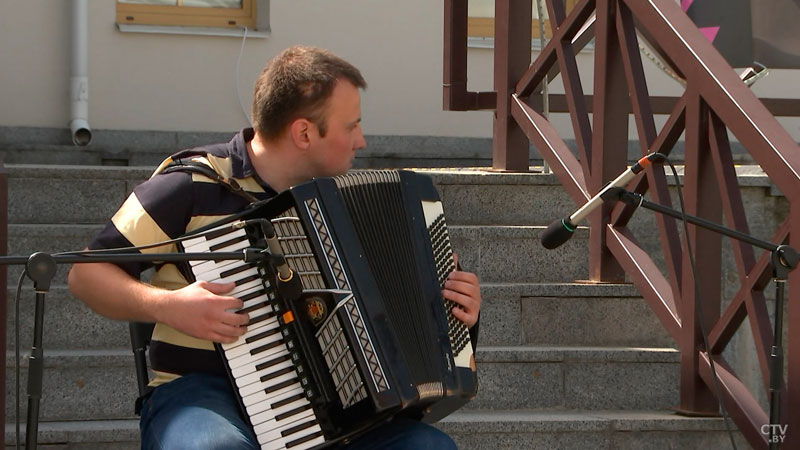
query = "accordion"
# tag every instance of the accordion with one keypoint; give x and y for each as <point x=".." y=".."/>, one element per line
<point x="364" y="334"/>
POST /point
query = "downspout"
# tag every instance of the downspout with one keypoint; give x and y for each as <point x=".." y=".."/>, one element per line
<point x="79" y="74"/>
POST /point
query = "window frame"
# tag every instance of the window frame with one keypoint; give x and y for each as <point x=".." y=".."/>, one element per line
<point x="188" y="16"/>
<point x="483" y="27"/>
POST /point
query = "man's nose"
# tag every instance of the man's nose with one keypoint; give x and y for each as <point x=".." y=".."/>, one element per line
<point x="360" y="142"/>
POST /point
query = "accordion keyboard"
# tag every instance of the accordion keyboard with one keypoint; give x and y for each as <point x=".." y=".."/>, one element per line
<point x="264" y="362"/>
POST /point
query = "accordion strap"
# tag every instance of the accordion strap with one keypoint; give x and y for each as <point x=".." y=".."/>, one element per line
<point x="188" y="165"/>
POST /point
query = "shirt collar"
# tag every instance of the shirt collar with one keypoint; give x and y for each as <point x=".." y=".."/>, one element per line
<point x="241" y="165"/>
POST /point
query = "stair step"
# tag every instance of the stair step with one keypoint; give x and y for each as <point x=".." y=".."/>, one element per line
<point x="472" y="430"/>
<point x="511" y="314"/>
<point x="68" y="323"/>
<point x="495" y="253"/>
<point x="77" y="194"/>
<point x="576" y="378"/>
<point x="78" y="385"/>
<point x="596" y="430"/>
<point x="580" y="313"/>
<point x="81" y="435"/>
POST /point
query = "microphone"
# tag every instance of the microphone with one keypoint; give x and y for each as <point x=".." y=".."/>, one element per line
<point x="561" y="230"/>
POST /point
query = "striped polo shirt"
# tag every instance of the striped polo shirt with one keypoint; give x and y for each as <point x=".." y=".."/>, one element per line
<point x="167" y="206"/>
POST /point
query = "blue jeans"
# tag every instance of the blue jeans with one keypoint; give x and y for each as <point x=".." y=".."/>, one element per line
<point x="200" y="412"/>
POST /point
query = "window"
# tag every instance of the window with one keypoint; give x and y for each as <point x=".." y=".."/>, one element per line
<point x="480" y="23"/>
<point x="189" y="13"/>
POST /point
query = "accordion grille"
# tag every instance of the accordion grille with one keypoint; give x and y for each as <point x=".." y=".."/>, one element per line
<point x="374" y="201"/>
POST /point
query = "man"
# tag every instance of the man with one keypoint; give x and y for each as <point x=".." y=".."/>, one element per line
<point x="306" y="123"/>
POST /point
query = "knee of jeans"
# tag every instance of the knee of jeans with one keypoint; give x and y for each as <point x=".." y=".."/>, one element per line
<point x="423" y="436"/>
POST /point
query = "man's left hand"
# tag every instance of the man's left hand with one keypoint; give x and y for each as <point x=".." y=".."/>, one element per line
<point x="463" y="289"/>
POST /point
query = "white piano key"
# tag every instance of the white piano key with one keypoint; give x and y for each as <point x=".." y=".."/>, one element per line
<point x="244" y="287"/>
<point x="249" y="347"/>
<point x="252" y="330"/>
<point x="245" y="383"/>
<point x="247" y="363"/>
<point x="284" y="441"/>
<point x="251" y="401"/>
<point x="205" y="266"/>
<point x="271" y="414"/>
<point x="216" y="275"/>
<point x="266" y="402"/>
<point x="271" y="430"/>
<point x="203" y="244"/>
<point x="308" y="444"/>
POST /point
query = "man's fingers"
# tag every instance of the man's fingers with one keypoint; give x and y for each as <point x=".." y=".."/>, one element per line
<point x="217" y="288"/>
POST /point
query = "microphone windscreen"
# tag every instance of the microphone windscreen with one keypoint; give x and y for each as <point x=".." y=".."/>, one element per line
<point x="556" y="234"/>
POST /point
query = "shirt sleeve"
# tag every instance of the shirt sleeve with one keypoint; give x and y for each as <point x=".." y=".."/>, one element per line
<point x="157" y="210"/>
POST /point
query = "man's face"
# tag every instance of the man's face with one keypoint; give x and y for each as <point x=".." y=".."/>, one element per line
<point x="333" y="154"/>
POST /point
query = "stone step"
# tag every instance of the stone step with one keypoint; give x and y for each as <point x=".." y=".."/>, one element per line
<point x="111" y="434"/>
<point x="68" y="323"/>
<point x="95" y="384"/>
<point x="39" y="193"/>
<point x="26" y="239"/>
<point x="567" y="314"/>
<point x="495" y="253"/>
<point x="569" y="378"/>
<point x="61" y="195"/>
<point x="472" y="430"/>
<point x="596" y="430"/>
<point x="77" y="385"/>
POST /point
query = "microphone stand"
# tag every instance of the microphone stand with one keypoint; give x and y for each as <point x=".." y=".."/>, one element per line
<point x="41" y="268"/>
<point x="784" y="259"/>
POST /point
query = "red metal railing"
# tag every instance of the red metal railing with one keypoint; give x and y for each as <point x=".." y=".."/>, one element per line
<point x="3" y="274"/>
<point x="715" y="101"/>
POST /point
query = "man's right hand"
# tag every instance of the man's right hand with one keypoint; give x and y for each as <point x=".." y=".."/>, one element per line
<point x="202" y="310"/>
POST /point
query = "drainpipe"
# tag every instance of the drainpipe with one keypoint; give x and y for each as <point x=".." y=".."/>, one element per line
<point x="79" y="74"/>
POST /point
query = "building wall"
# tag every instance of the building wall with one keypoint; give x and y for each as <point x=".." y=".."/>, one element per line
<point x="189" y="83"/>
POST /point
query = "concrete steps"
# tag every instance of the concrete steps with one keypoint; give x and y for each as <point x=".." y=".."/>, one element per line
<point x="562" y="363"/>
<point x="596" y="430"/>
<point x="477" y="430"/>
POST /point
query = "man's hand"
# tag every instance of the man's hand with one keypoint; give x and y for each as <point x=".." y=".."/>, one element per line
<point x="202" y="311"/>
<point x="463" y="288"/>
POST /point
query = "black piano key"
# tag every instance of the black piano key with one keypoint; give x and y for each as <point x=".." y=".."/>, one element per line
<point x="252" y="295"/>
<point x="303" y="439"/>
<point x="214" y="248"/>
<point x="271" y="362"/>
<point x="258" y="319"/>
<point x="262" y="335"/>
<point x="255" y="307"/>
<point x="280" y="386"/>
<point x="247" y="279"/>
<point x="277" y="373"/>
<point x="265" y="347"/>
<point x="287" y="400"/>
<point x="297" y="410"/>
<point x="235" y="270"/>
<point x="297" y="428"/>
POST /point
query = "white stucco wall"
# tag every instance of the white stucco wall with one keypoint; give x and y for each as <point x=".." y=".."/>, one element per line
<point x="188" y="83"/>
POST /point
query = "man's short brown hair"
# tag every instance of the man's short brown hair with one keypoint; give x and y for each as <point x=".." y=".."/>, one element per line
<point x="296" y="84"/>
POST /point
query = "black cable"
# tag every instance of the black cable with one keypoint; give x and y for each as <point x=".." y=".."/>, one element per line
<point x="147" y="246"/>
<point x="698" y="313"/>
<point x="16" y="347"/>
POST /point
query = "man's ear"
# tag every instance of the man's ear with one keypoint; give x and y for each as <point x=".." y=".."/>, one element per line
<point x="299" y="131"/>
